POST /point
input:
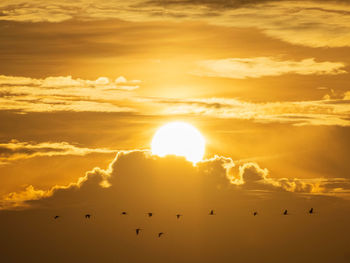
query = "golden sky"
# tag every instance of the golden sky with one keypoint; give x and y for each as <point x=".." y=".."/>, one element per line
<point x="85" y="85"/>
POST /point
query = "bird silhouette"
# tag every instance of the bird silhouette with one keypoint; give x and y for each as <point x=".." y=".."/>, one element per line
<point x="255" y="213"/>
<point x="124" y="213"/>
<point x="285" y="212"/>
<point x="311" y="211"/>
<point x="87" y="216"/>
<point x="56" y="217"/>
<point x="138" y="230"/>
<point x="160" y="234"/>
<point x="149" y="214"/>
<point x="178" y="216"/>
<point x="211" y="213"/>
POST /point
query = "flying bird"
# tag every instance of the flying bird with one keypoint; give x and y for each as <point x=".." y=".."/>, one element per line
<point x="285" y="212"/>
<point x="56" y="217"/>
<point x="255" y="213"/>
<point x="138" y="230"/>
<point x="149" y="214"/>
<point x="211" y="213"/>
<point x="160" y="234"/>
<point x="124" y="213"/>
<point x="311" y="211"/>
<point x="178" y="216"/>
<point x="87" y="216"/>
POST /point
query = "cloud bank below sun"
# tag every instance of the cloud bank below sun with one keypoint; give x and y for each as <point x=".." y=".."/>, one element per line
<point x="152" y="177"/>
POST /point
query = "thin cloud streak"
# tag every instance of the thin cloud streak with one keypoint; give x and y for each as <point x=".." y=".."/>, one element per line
<point x="17" y="150"/>
<point x="319" y="112"/>
<point x="242" y="68"/>
<point x="65" y="94"/>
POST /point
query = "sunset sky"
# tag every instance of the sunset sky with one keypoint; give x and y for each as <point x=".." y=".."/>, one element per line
<point x="85" y="85"/>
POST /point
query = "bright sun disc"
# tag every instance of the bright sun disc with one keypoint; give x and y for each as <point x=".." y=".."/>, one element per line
<point x="181" y="139"/>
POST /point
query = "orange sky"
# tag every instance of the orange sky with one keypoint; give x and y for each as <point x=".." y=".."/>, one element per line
<point x="265" y="82"/>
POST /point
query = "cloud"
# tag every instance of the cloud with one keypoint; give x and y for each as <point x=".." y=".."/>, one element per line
<point x="52" y="94"/>
<point x="328" y="111"/>
<point x="151" y="177"/>
<point x="314" y="24"/>
<point x="307" y="23"/>
<point x="255" y="178"/>
<point x="224" y="4"/>
<point x="104" y="83"/>
<point x="241" y="68"/>
<point x="143" y="183"/>
<point x="65" y="94"/>
<point x="16" y="150"/>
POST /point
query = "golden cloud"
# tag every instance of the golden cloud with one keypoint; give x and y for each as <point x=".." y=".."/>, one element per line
<point x="65" y="94"/>
<point x="319" y="112"/>
<point x="145" y="174"/>
<point x="68" y="94"/>
<point x="16" y="150"/>
<point x="251" y="176"/>
<point x="308" y="23"/>
<point x="241" y="68"/>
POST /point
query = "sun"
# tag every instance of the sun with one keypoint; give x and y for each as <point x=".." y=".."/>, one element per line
<point x="181" y="139"/>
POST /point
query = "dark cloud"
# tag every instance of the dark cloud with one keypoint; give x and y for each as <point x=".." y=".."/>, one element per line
<point x="137" y="182"/>
<point x="223" y="4"/>
<point x="150" y="177"/>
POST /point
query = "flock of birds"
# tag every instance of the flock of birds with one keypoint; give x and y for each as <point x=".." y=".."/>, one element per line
<point x="178" y="216"/>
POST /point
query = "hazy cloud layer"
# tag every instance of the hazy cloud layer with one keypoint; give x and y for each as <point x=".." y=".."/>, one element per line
<point x="145" y="173"/>
<point x="241" y="68"/>
<point x="328" y="111"/>
<point x="64" y="94"/>
<point x="16" y="150"/>
<point x="102" y="95"/>
<point x="309" y="23"/>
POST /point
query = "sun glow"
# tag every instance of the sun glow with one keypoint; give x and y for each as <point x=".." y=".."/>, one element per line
<point x="181" y="139"/>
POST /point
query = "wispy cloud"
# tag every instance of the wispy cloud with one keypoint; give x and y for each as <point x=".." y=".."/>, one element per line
<point x="16" y="150"/>
<point x="102" y="95"/>
<point x="104" y="83"/>
<point x="241" y="68"/>
<point x="65" y="94"/>
<point x="308" y="23"/>
<point x="318" y="112"/>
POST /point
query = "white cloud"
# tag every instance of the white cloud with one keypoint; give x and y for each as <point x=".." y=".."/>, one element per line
<point x="120" y="79"/>
<point x="241" y="68"/>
